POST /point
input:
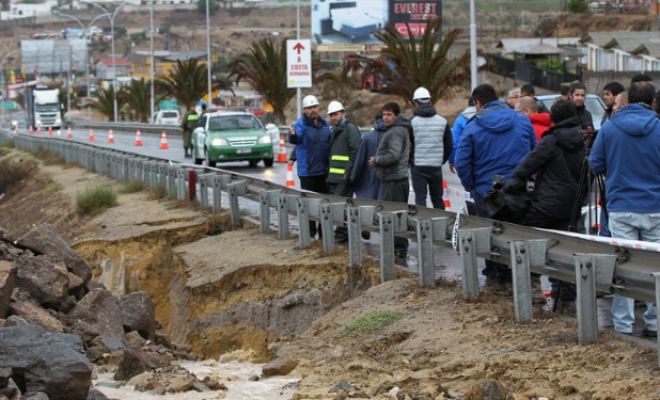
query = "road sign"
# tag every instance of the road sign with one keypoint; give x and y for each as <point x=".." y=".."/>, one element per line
<point x="167" y="105"/>
<point x="9" y="105"/>
<point x="299" y="63"/>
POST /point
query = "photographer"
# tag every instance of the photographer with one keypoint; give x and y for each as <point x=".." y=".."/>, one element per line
<point x="557" y="162"/>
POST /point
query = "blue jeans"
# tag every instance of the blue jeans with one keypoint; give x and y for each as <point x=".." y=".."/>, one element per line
<point x="633" y="226"/>
<point x="493" y="268"/>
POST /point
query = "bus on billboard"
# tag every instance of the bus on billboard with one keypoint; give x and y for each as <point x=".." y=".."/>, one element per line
<point x="340" y="25"/>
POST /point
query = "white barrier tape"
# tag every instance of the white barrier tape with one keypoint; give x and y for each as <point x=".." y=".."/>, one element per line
<point x="625" y="243"/>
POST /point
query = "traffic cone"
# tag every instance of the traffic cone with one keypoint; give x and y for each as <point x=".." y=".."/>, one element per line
<point x="16" y="130"/>
<point x="290" y="182"/>
<point x="281" y="156"/>
<point x="91" y="135"/>
<point x="445" y="197"/>
<point x="50" y="131"/>
<point x="31" y="131"/>
<point x="38" y="131"/>
<point x="69" y="134"/>
<point x="163" y="142"/>
<point x="111" y="138"/>
<point x="138" y="138"/>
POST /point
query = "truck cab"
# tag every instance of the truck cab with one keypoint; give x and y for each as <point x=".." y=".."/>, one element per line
<point x="44" y="108"/>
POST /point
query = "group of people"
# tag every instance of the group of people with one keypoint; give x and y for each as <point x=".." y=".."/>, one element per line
<point x="333" y="157"/>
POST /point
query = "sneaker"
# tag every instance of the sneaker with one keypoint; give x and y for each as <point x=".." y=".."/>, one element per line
<point x="649" y="333"/>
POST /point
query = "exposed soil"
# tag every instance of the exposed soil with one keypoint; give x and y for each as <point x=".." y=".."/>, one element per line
<point x="221" y="289"/>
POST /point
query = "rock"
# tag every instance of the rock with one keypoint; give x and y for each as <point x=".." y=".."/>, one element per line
<point x="10" y="392"/>
<point x="44" y="239"/>
<point x="159" y="391"/>
<point x="133" y="339"/>
<point x="487" y="389"/>
<point x="37" y="316"/>
<point x="113" y="344"/>
<point x="138" y="313"/>
<point x="99" y="309"/>
<point x="54" y="364"/>
<point x="141" y="379"/>
<point x="134" y="362"/>
<point x="15" y="320"/>
<point x="279" y="366"/>
<point x="7" y="283"/>
<point x="178" y="384"/>
<point x="34" y="396"/>
<point x="75" y="282"/>
<point x="86" y="332"/>
<point x="198" y="387"/>
<point x="46" y="282"/>
<point x="163" y="339"/>
<point x="5" y="375"/>
<point x="96" y="395"/>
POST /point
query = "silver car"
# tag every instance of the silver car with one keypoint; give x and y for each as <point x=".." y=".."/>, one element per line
<point x="593" y="103"/>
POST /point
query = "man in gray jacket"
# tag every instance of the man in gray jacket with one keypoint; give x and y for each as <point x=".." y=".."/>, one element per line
<point x="391" y="164"/>
<point x="431" y="143"/>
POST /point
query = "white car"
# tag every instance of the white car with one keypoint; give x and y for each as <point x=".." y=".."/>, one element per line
<point x="166" y="117"/>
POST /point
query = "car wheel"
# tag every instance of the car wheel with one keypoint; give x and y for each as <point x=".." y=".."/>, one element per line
<point x="253" y="163"/>
<point x="268" y="162"/>
<point x="209" y="163"/>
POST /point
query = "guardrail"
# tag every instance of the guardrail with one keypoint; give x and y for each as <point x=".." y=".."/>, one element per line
<point x="624" y="268"/>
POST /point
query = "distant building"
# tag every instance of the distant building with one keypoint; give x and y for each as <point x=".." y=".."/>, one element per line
<point x="104" y="68"/>
<point x="23" y="10"/>
<point x="165" y="61"/>
<point x="622" y="51"/>
<point x="53" y="56"/>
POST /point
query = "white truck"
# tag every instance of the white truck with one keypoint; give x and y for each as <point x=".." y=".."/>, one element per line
<point x="44" y="108"/>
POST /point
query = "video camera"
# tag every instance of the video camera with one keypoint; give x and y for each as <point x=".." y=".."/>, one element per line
<point x="506" y="206"/>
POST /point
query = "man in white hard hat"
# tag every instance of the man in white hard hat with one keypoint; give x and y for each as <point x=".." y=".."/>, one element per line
<point x="431" y="143"/>
<point x="311" y="135"/>
<point x="344" y="146"/>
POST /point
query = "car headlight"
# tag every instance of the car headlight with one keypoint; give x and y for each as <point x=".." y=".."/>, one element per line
<point x="58" y="121"/>
<point x="219" y="142"/>
<point x="265" y="140"/>
<point x="38" y="122"/>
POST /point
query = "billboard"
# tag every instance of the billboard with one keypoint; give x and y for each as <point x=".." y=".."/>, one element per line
<point x="338" y="25"/>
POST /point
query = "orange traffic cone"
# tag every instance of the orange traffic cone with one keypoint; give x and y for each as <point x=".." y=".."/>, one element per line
<point x="281" y="156"/>
<point x="31" y="131"/>
<point x="39" y="131"/>
<point x="50" y="131"/>
<point x="91" y="135"/>
<point x="138" y="138"/>
<point x="163" y="142"/>
<point x="445" y="197"/>
<point x="111" y="138"/>
<point x="290" y="182"/>
<point x="69" y="134"/>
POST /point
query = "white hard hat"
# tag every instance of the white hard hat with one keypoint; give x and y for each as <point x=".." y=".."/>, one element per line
<point x="335" y="106"/>
<point x="421" y="93"/>
<point x="310" y="101"/>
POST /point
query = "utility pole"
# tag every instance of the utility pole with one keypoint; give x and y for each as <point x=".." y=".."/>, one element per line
<point x="298" y="91"/>
<point x="208" y="54"/>
<point x="473" y="46"/>
<point x="151" y="66"/>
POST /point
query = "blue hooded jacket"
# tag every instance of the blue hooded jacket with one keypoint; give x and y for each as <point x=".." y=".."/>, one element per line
<point x="312" y="146"/>
<point x="626" y="150"/>
<point x="493" y="143"/>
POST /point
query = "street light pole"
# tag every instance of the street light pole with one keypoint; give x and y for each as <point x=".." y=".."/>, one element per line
<point x="4" y="84"/>
<point x="473" y="46"/>
<point x="208" y="53"/>
<point x="298" y="91"/>
<point x="151" y="66"/>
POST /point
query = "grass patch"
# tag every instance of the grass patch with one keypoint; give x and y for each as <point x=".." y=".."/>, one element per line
<point x="4" y="152"/>
<point x="132" y="187"/>
<point x="370" y="322"/>
<point x="13" y="172"/>
<point x="95" y="200"/>
<point x="52" y="188"/>
<point x="50" y="158"/>
<point x="9" y="144"/>
<point x="158" y="193"/>
<point x="69" y="165"/>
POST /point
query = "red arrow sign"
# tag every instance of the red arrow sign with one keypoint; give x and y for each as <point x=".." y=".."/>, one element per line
<point x="298" y="47"/>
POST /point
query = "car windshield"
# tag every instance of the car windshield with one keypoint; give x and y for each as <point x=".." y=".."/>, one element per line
<point x="53" y="107"/>
<point x="170" y="114"/>
<point x="232" y="122"/>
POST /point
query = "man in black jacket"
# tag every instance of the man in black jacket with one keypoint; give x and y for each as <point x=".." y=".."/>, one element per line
<point x="578" y="95"/>
<point x="610" y="91"/>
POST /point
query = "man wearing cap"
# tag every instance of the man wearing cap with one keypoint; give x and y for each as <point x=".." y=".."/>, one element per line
<point x="431" y="144"/>
<point x="311" y="135"/>
<point x="344" y="146"/>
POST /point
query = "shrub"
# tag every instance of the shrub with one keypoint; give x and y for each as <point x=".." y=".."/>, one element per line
<point x="371" y="321"/>
<point x="95" y="200"/>
<point x="132" y="187"/>
<point x="13" y="172"/>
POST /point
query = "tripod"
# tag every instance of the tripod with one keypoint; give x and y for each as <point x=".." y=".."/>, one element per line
<point x="585" y="186"/>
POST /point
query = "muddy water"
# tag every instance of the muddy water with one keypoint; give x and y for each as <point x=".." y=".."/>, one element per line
<point x="235" y="375"/>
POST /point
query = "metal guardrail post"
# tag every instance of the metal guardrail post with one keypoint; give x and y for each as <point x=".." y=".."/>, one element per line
<point x="181" y="183"/>
<point x="283" y="215"/>
<point x="171" y="180"/>
<point x="216" y="184"/>
<point x="354" y="236"/>
<point x="386" y="230"/>
<point x="304" y="205"/>
<point x="204" y="189"/>
<point x="264" y="210"/>
<point x="656" y="276"/>
<point x="327" y="228"/>
<point x="522" y="284"/>
<point x="471" y="242"/>
<point x="162" y="175"/>
<point x="425" y="258"/>
<point x="236" y="189"/>
<point x="585" y="282"/>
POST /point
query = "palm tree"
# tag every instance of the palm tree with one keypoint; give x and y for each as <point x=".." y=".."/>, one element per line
<point x="406" y="63"/>
<point x="138" y="97"/>
<point x="104" y="103"/>
<point x="187" y="83"/>
<point x="264" y="68"/>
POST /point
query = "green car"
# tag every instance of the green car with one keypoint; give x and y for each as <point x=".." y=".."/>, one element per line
<point x="231" y="136"/>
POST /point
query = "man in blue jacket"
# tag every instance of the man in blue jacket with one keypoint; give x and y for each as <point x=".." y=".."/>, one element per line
<point x="626" y="151"/>
<point x="493" y="143"/>
<point x="311" y="135"/>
